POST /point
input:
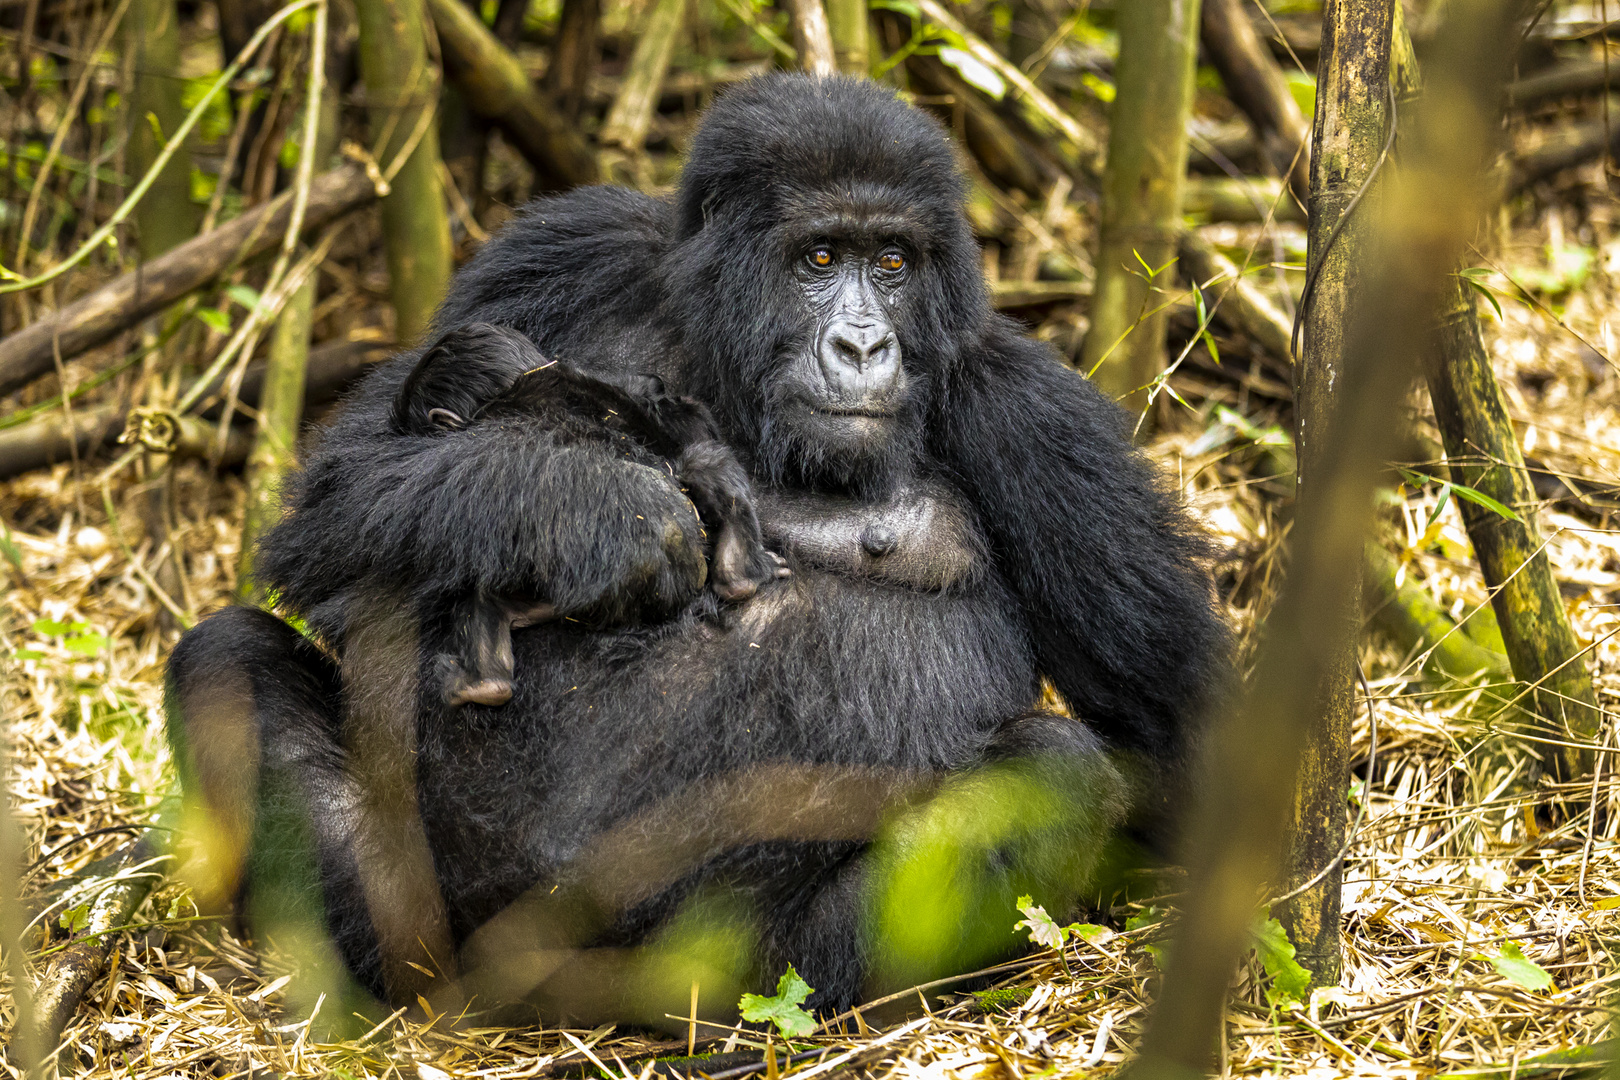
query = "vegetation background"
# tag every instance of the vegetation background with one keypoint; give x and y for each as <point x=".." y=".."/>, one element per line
<point x="215" y="215"/>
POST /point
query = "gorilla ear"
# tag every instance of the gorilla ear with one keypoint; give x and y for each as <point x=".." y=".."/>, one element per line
<point x="446" y="419"/>
<point x="710" y="201"/>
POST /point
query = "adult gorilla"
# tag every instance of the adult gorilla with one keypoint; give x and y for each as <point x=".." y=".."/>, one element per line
<point x="845" y="772"/>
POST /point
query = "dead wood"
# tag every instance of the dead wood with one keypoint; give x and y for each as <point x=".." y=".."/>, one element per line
<point x="333" y="368"/>
<point x="1256" y="85"/>
<point x="126" y="300"/>
<point x="498" y="89"/>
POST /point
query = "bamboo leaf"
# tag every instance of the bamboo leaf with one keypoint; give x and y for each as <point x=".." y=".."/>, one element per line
<point x="1518" y="969"/>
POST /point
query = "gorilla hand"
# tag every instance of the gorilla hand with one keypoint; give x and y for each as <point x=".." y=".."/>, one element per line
<point x="718" y="486"/>
<point x="631" y="546"/>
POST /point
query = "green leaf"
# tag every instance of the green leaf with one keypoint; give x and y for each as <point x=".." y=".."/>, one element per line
<point x="1479" y="498"/>
<point x="1462" y="491"/>
<point x="1150" y="916"/>
<point x="28" y="654"/>
<point x="216" y="318"/>
<point x="52" y="628"/>
<point x="242" y="294"/>
<point x="1043" y="929"/>
<point x="1091" y="932"/>
<point x="1516" y="968"/>
<point x="75" y="919"/>
<point x="908" y="8"/>
<point x="1486" y="293"/>
<point x="1289" y="981"/>
<point x="783" y="1009"/>
<point x="1439" y="505"/>
<point x="86" y="644"/>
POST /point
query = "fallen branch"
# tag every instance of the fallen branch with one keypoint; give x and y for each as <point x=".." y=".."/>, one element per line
<point x="1564" y="149"/>
<point x="74" y="969"/>
<point x="148" y="289"/>
<point x="498" y="88"/>
<point x="1564" y="80"/>
<point x="333" y="368"/>
<point x="812" y="37"/>
<point x="1256" y="85"/>
<point x="1411" y="618"/>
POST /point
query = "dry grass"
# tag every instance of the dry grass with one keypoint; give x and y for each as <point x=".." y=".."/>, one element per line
<point x="1450" y="863"/>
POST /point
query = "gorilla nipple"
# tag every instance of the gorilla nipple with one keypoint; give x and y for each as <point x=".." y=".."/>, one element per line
<point x="879" y="540"/>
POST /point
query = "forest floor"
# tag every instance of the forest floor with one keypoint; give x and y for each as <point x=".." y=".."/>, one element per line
<point x="1452" y="875"/>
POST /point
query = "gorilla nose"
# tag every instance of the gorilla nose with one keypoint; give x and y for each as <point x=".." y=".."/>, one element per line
<point x="862" y="347"/>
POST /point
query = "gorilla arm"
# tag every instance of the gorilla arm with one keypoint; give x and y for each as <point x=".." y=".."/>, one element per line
<point x="500" y="508"/>
<point x="1120" y="611"/>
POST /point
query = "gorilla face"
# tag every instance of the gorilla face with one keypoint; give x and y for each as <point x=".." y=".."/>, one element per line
<point x="824" y="278"/>
<point x="838" y="397"/>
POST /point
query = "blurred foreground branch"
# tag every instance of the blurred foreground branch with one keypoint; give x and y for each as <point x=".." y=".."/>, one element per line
<point x="1236" y="837"/>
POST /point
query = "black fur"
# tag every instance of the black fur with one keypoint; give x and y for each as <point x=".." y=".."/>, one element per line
<point x="850" y="753"/>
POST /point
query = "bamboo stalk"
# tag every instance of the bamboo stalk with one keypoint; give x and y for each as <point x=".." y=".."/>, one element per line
<point x="812" y="37"/>
<point x="1413" y="620"/>
<point x="497" y="88"/>
<point x="1141" y="204"/>
<point x="574" y="55"/>
<point x="1235" y="836"/>
<point x="1352" y="117"/>
<point x="630" y="118"/>
<point x="851" y="35"/>
<point x="401" y="90"/>
<point x="1256" y="85"/>
<point x="167" y="217"/>
<point x="1484" y="454"/>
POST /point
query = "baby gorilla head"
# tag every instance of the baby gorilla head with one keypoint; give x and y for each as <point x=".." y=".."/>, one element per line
<point x="460" y="373"/>
<point x="828" y="275"/>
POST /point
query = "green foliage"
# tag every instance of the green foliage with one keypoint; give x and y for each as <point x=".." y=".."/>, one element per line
<point x="1302" y="85"/>
<point x="1568" y="267"/>
<point x="1149" y="917"/>
<point x="1003" y="999"/>
<point x="77" y="637"/>
<point x="216" y="120"/>
<point x="1518" y="969"/>
<point x="216" y="319"/>
<point x="1462" y="491"/>
<point x="75" y="919"/>
<point x="782" y="1009"/>
<point x="1289" y="982"/>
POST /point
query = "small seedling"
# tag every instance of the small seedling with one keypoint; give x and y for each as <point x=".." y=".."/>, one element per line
<point x="1044" y="930"/>
<point x="783" y="1009"/>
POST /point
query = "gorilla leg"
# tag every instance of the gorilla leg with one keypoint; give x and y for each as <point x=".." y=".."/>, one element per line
<point x="254" y="714"/>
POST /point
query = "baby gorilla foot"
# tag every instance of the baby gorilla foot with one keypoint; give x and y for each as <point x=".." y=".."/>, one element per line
<point x="742" y="564"/>
<point x="460" y="687"/>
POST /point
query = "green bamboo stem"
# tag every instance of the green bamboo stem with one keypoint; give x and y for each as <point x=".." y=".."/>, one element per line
<point x="1351" y="124"/>
<point x="1484" y="454"/>
<point x="402" y="88"/>
<point x="631" y="116"/>
<point x="166" y="217"/>
<point x="851" y="35"/>
<point x="1141" y="198"/>
<point x="1413" y="620"/>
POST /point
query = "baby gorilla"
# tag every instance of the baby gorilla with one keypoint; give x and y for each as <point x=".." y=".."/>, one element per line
<point x="481" y="372"/>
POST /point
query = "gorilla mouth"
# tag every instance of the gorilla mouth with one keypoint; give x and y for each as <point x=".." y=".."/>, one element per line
<point x="860" y="414"/>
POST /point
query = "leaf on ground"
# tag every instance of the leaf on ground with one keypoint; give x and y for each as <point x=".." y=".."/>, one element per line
<point x="1043" y="929"/>
<point x="782" y="1009"/>
<point x="1289" y="981"/>
<point x="1518" y="969"/>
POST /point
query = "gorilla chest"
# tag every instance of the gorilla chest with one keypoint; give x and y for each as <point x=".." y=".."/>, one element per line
<point x="922" y="537"/>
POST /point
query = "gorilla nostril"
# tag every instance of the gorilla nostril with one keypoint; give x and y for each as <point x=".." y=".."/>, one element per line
<point x="848" y="351"/>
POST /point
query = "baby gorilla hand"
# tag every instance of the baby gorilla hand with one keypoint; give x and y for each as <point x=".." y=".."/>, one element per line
<point x="717" y="485"/>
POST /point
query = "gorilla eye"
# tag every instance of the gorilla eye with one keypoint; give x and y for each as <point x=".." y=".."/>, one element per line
<point x="821" y="257"/>
<point x="892" y="261"/>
